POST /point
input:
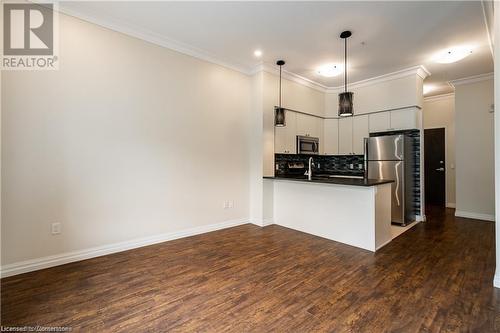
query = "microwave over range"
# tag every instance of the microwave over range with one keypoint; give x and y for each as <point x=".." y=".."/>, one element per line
<point x="307" y="145"/>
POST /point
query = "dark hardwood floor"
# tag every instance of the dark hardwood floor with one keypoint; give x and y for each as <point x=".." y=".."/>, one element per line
<point x="437" y="277"/>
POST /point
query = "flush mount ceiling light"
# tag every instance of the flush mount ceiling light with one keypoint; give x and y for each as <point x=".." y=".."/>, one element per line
<point x="428" y="88"/>
<point x="330" y="70"/>
<point x="453" y="54"/>
<point x="279" y="112"/>
<point x="345" y="99"/>
<point x="257" y="53"/>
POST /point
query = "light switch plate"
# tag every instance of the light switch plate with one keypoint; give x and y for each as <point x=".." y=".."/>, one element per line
<point x="55" y="228"/>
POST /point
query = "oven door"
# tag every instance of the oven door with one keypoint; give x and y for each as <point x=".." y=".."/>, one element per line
<point x="307" y="145"/>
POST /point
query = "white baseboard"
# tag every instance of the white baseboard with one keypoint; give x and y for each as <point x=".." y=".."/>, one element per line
<point x="262" y="223"/>
<point x="267" y="222"/>
<point x="451" y="205"/>
<point x="496" y="279"/>
<point x="473" y="215"/>
<point x="64" y="258"/>
<point x="383" y="244"/>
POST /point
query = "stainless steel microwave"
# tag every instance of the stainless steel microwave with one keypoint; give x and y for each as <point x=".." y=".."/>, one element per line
<point x="307" y="145"/>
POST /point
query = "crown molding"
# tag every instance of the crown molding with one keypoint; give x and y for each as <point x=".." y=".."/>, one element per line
<point x="154" y="38"/>
<point x="151" y="37"/>
<point x="419" y="70"/>
<point x="267" y="68"/>
<point x="471" y="79"/>
<point x="439" y="97"/>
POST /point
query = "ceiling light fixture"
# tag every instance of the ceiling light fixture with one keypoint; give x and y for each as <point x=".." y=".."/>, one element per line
<point x="452" y="54"/>
<point x="279" y="112"/>
<point x="428" y="88"/>
<point x="257" y="53"/>
<point x="345" y="98"/>
<point x="330" y="70"/>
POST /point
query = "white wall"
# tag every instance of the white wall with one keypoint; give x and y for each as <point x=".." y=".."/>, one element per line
<point x="475" y="189"/>
<point x="439" y="111"/>
<point x="126" y="140"/>
<point x="496" y="281"/>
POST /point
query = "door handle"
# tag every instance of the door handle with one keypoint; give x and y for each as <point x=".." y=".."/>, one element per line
<point x="440" y="169"/>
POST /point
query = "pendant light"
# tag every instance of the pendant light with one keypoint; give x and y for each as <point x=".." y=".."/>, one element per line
<point x="345" y="98"/>
<point x="279" y="112"/>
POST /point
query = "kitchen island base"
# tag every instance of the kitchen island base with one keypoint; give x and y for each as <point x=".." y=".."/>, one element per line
<point x="355" y="215"/>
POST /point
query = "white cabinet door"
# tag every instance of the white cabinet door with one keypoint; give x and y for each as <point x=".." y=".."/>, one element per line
<point x="331" y="137"/>
<point x="308" y="125"/>
<point x="359" y="133"/>
<point x="284" y="137"/>
<point x="380" y="122"/>
<point x="345" y="135"/>
<point x="405" y="119"/>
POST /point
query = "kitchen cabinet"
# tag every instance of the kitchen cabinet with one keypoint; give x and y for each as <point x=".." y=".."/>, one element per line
<point x="405" y="119"/>
<point x="330" y="137"/>
<point x="309" y="125"/>
<point x="380" y="122"/>
<point x="360" y="131"/>
<point x="394" y="120"/>
<point x="285" y="137"/>
<point x="345" y="135"/>
<point x="342" y="136"/>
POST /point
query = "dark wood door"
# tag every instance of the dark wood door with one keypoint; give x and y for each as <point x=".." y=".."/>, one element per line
<point x="435" y="164"/>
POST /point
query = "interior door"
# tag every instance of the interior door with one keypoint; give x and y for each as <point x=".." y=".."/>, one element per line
<point x="435" y="164"/>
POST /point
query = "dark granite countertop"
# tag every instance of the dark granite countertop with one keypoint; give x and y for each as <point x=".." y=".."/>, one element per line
<point x="336" y="180"/>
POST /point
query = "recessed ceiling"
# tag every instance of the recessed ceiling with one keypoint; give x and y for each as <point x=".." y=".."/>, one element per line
<point x="387" y="36"/>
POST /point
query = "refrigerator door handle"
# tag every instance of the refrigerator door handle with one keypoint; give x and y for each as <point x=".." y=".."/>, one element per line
<point x="398" y="183"/>
<point x="397" y="145"/>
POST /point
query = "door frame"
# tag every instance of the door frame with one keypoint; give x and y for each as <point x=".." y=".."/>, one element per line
<point x="446" y="203"/>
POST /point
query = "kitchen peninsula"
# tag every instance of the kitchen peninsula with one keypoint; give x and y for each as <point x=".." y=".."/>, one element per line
<point x="354" y="211"/>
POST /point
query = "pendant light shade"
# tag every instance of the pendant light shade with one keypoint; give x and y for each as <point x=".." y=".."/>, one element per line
<point x="279" y="117"/>
<point x="346" y="108"/>
<point x="279" y="112"/>
<point x="345" y="104"/>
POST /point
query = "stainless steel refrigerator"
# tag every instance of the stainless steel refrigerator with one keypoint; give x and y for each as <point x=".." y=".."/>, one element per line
<point x="393" y="157"/>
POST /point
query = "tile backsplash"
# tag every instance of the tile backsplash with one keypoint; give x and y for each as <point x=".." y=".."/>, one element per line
<point x="294" y="164"/>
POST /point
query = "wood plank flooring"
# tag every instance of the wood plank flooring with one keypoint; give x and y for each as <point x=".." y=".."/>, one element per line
<point x="437" y="277"/>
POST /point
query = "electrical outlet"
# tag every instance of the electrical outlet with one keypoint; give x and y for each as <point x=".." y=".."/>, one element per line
<point x="228" y="204"/>
<point x="55" y="228"/>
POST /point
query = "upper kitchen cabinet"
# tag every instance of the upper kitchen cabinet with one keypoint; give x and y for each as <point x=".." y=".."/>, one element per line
<point x="405" y="119"/>
<point x="330" y="137"/>
<point x="309" y="125"/>
<point x="285" y="137"/>
<point x="360" y="131"/>
<point x="395" y="120"/>
<point x="345" y="135"/>
<point x="380" y="121"/>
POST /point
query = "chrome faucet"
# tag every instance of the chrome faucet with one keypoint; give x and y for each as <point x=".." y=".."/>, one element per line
<point x="309" y="172"/>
